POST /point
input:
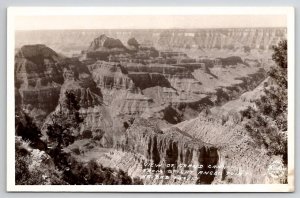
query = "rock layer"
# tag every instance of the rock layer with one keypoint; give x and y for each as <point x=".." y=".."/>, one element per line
<point x="171" y="147"/>
<point x="203" y="39"/>
<point x="238" y="153"/>
<point x="38" y="79"/>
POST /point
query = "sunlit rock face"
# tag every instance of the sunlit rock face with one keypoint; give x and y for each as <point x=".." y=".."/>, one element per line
<point x="110" y="75"/>
<point x="120" y="93"/>
<point x="169" y="147"/>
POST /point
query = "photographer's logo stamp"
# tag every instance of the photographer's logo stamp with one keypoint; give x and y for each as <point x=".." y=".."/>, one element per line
<point x="276" y="169"/>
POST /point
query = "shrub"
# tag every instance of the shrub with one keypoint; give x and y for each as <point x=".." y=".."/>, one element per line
<point x="87" y="134"/>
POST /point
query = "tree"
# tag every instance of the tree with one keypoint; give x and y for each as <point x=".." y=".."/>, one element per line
<point x="277" y="94"/>
<point x="27" y="129"/>
<point x="41" y="172"/>
<point x="65" y="121"/>
<point x="267" y="124"/>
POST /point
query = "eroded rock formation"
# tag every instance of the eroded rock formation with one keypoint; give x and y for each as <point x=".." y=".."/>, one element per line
<point x="170" y="149"/>
<point x="238" y="154"/>
<point x="38" y="78"/>
<point x="104" y="42"/>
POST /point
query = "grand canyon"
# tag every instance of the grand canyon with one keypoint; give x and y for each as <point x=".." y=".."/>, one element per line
<point x="157" y="106"/>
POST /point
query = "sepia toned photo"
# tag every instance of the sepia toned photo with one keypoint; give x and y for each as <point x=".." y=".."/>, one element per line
<point x="165" y="99"/>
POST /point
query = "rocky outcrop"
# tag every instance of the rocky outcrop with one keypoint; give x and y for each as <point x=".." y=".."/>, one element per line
<point x="132" y="42"/>
<point x="78" y="80"/>
<point x="104" y="42"/>
<point x="40" y="73"/>
<point x="38" y="79"/>
<point x="102" y="47"/>
<point x="37" y="54"/>
<point x="110" y="75"/>
<point x="170" y="149"/>
<point x="119" y="90"/>
<point x="96" y="116"/>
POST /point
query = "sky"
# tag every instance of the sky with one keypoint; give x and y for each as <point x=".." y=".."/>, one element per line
<point x="148" y="22"/>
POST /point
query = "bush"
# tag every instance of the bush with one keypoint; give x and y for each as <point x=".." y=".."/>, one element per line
<point x="87" y="134"/>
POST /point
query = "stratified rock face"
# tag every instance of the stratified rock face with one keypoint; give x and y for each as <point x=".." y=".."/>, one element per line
<point x="88" y="95"/>
<point x="229" y="38"/>
<point x="119" y="91"/>
<point x="75" y="71"/>
<point x="38" y="79"/>
<point x="224" y="39"/>
<point x="96" y="117"/>
<point x="166" y="70"/>
<point x="130" y="103"/>
<point x="238" y="153"/>
<point x="136" y="89"/>
<point x="171" y="147"/>
<point x="110" y="75"/>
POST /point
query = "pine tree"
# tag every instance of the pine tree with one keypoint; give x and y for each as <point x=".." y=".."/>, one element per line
<point x="65" y="121"/>
<point x="267" y="124"/>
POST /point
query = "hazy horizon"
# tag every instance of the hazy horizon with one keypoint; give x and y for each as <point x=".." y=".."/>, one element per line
<point x="149" y="22"/>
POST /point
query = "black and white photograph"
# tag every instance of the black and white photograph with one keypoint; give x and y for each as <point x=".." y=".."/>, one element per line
<point x="165" y="99"/>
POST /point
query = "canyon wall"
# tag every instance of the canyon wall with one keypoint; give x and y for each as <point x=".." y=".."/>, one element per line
<point x="170" y="149"/>
<point x="240" y="159"/>
<point x="38" y="80"/>
<point x="228" y="39"/>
